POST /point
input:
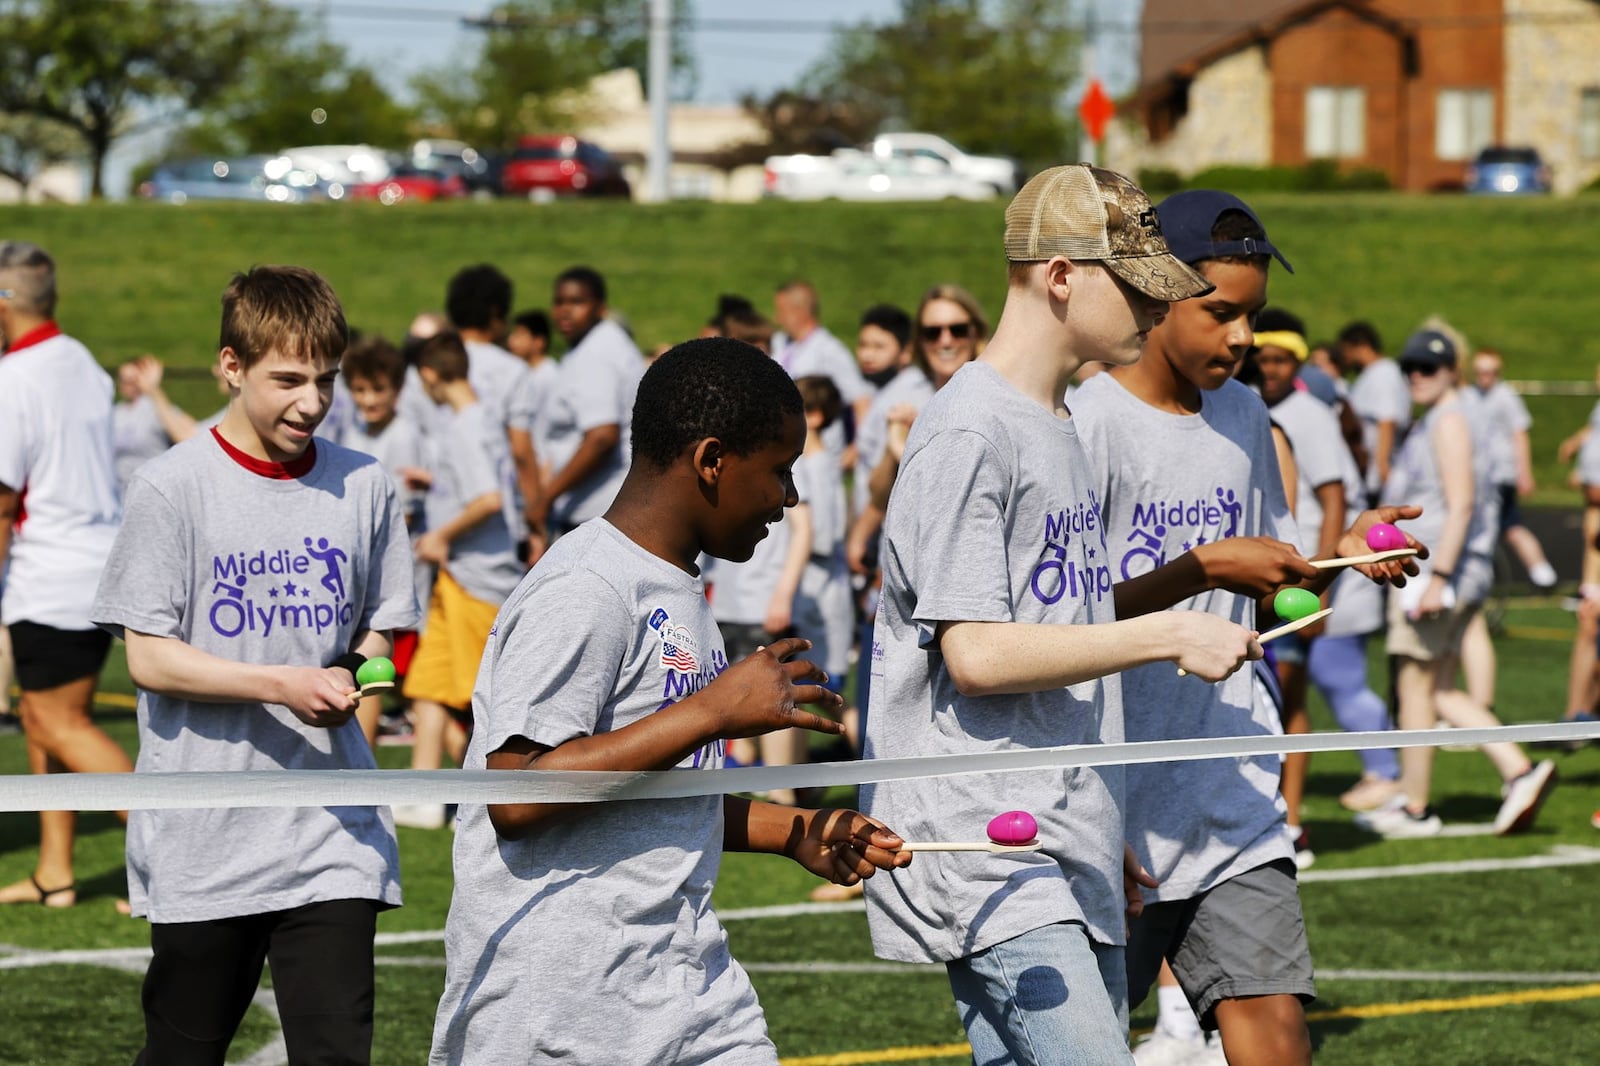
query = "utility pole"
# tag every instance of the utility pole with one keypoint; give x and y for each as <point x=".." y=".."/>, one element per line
<point x="1090" y="149"/>
<point x="660" y="160"/>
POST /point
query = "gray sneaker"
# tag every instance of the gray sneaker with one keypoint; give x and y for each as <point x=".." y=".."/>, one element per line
<point x="1524" y="795"/>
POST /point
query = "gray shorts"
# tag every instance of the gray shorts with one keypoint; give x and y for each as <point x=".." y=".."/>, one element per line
<point x="1244" y="937"/>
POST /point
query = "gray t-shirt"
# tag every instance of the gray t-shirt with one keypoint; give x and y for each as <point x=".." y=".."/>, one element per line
<point x="1504" y="415"/>
<point x="1416" y="480"/>
<point x="821" y="354"/>
<point x="1023" y="545"/>
<point x="1321" y="456"/>
<point x="1170" y="483"/>
<point x="592" y="939"/>
<point x="1380" y="394"/>
<point x="136" y="436"/>
<point x="264" y="571"/>
<point x="397" y="446"/>
<point x="503" y="383"/>
<point x="910" y="386"/>
<point x="823" y="610"/>
<point x="471" y="458"/>
<point x="594" y="387"/>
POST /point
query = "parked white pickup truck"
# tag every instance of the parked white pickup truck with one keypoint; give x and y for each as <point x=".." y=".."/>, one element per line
<point x="894" y="166"/>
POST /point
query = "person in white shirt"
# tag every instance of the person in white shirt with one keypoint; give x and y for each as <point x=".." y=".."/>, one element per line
<point x="59" y="512"/>
<point x="804" y="347"/>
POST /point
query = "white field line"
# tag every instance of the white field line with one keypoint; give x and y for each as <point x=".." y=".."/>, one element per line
<point x="18" y="958"/>
<point x="1560" y="855"/>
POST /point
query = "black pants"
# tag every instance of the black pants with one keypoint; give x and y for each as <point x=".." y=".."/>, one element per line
<point x="204" y="974"/>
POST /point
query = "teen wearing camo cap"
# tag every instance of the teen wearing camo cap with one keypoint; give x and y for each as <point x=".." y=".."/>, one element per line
<point x="997" y="630"/>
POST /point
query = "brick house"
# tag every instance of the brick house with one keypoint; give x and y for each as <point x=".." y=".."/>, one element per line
<point x="1411" y="87"/>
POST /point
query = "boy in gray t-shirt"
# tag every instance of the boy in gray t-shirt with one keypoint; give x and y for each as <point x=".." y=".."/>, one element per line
<point x="253" y="573"/>
<point x="585" y="932"/>
<point x="1184" y="466"/>
<point x="996" y="630"/>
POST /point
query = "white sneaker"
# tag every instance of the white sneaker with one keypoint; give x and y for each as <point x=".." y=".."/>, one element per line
<point x="1300" y="840"/>
<point x="1393" y="822"/>
<point x="1543" y="576"/>
<point x="1213" y="1055"/>
<point x="419" y="815"/>
<point x="1524" y="795"/>
<point x="1164" y="1049"/>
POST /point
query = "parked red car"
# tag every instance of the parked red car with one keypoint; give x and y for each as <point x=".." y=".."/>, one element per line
<point x="549" y="166"/>
<point x="407" y="182"/>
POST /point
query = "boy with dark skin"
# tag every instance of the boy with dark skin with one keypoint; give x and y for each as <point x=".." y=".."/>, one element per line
<point x="616" y="895"/>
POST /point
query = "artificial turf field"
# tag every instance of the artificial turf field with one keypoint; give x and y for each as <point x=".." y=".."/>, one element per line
<point x="1415" y="965"/>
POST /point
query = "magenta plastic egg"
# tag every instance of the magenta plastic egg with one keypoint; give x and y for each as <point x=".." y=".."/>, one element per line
<point x="1013" y="827"/>
<point x="1383" y="537"/>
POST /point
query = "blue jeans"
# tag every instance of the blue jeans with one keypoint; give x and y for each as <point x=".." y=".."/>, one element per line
<point x="1338" y="667"/>
<point x="1050" y="997"/>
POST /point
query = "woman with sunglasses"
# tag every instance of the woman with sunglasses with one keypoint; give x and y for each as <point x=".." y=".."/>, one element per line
<point x="1435" y="470"/>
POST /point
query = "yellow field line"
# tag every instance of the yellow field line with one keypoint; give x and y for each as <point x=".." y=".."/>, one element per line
<point x="1539" y="633"/>
<point x="116" y="699"/>
<point x="1561" y="994"/>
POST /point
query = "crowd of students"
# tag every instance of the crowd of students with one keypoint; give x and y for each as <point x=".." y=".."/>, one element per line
<point x="602" y="562"/>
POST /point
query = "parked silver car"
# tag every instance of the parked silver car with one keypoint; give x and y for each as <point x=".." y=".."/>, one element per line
<point x="257" y="177"/>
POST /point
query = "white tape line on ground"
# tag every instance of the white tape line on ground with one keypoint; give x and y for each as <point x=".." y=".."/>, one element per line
<point x="367" y="788"/>
<point x="1561" y="855"/>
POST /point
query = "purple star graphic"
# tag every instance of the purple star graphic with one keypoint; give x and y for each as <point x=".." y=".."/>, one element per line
<point x="289" y="589"/>
<point x="273" y="593"/>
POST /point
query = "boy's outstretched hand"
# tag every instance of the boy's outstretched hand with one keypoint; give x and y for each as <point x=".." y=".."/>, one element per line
<point x="1394" y="571"/>
<point x="765" y="691"/>
<point x="846" y="847"/>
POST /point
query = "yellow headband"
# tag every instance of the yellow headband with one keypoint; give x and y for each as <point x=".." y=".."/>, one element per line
<point x="1285" y="339"/>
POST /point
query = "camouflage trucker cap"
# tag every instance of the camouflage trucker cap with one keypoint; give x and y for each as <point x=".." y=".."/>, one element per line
<point x="1084" y="212"/>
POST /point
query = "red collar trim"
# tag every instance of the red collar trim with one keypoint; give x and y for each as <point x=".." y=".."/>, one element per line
<point x="295" y="468"/>
<point x="37" y="335"/>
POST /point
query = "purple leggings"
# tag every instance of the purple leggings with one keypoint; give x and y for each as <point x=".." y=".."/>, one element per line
<point x="1338" y="667"/>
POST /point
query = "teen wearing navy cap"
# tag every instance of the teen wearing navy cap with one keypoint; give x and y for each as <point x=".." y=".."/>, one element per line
<point x="1184" y="465"/>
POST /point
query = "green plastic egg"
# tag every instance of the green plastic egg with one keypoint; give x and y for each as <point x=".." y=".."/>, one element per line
<point x="1291" y="605"/>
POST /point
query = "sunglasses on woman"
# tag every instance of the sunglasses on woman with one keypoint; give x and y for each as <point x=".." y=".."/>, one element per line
<point x="1427" y="370"/>
<point x="958" y="330"/>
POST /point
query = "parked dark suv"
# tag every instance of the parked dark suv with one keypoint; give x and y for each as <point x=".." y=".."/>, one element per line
<point x="545" y="167"/>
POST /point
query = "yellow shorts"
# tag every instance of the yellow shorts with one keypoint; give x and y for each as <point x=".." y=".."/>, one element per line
<point x="445" y="667"/>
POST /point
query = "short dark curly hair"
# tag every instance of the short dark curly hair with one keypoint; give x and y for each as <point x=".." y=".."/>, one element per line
<point x="477" y="296"/>
<point x="713" y="387"/>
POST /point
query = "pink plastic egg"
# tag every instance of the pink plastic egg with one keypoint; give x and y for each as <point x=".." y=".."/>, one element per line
<point x="1013" y="827"/>
<point x="1383" y="537"/>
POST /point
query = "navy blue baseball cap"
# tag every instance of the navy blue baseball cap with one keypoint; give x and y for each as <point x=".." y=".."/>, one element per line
<point x="1187" y="219"/>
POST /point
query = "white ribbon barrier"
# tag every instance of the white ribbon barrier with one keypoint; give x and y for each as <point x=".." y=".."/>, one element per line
<point x="366" y="788"/>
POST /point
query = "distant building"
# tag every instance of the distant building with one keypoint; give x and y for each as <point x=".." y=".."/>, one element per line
<point x="64" y="183"/>
<point x="1414" y="88"/>
<point x="700" y="135"/>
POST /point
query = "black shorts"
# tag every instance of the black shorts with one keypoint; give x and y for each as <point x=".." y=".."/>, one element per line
<point x="1510" y="509"/>
<point x="48" y="657"/>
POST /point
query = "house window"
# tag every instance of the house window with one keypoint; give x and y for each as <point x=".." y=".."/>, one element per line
<point x="1589" y="124"/>
<point x="1336" y="122"/>
<point x="1464" y="124"/>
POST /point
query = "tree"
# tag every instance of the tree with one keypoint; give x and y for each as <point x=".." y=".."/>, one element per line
<point x="302" y="91"/>
<point x="795" y="123"/>
<point x="102" y="68"/>
<point x="28" y="145"/>
<point x="991" y="78"/>
<point x="537" y="57"/>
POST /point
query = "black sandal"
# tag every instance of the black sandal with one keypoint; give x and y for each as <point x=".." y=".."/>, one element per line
<point x="45" y="894"/>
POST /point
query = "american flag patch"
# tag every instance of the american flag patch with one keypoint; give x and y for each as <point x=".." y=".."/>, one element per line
<point x="678" y="658"/>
